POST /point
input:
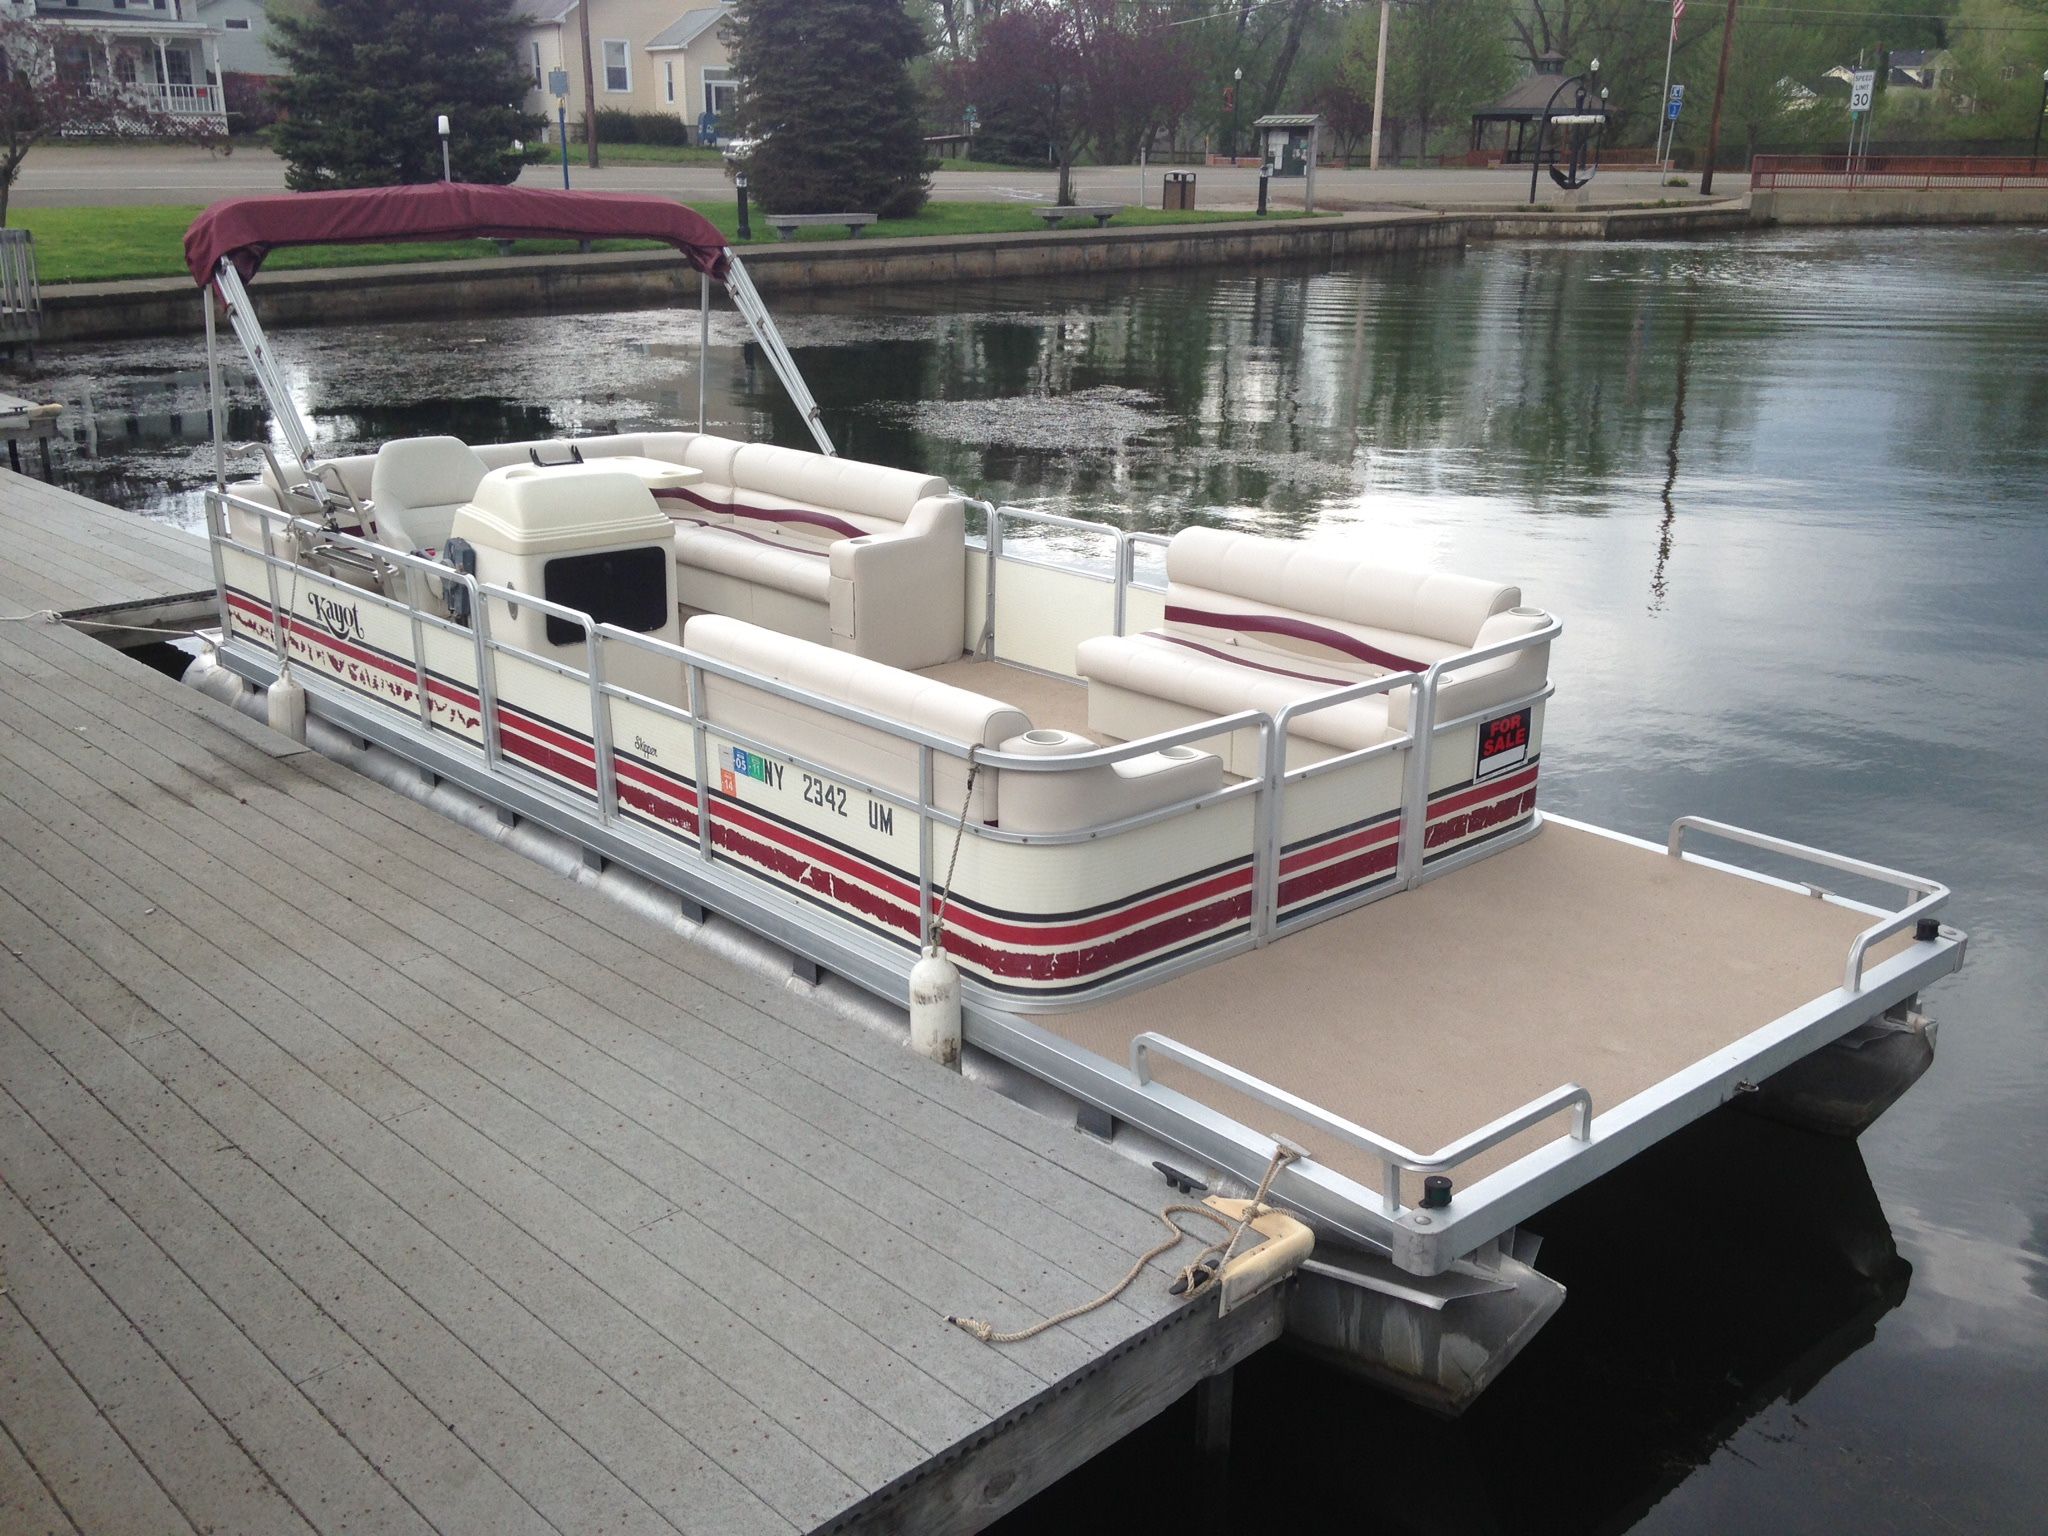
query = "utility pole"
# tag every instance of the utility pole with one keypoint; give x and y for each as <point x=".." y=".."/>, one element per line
<point x="590" y="87"/>
<point x="1720" y="90"/>
<point x="1379" y="84"/>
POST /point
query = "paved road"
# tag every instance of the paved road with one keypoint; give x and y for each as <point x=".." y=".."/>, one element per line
<point x="57" y="175"/>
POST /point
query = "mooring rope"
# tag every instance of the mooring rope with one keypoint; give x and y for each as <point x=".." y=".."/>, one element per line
<point x="52" y="616"/>
<point x="1194" y="1277"/>
<point x="936" y="937"/>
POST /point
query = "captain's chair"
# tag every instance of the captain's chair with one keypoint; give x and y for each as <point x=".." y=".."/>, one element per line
<point x="416" y="486"/>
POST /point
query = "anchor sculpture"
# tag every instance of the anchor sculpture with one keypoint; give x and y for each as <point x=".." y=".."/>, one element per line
<point x="1587" y="122"/>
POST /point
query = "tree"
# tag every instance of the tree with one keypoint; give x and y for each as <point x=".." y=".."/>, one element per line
<point x="1448" y="57"/>
<point x="367" y="79"/>
<point x="1078" y="74"/>
<point x="54" y="83"/>
<point x="827" y="95"/>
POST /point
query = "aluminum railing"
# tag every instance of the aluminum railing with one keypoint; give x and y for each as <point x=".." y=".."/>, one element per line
<point x="1931" y="895"/>
<point x="934" y="819"/>
<point x="1394" y="1158"/>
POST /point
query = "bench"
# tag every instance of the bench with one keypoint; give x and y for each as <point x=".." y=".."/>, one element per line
<point x="1256" y="623"/>
<point x="787" y="224"/>
<point x="855" y="557"/>
<point x="1025" y="802"/>
<point x="1101" y="213"/>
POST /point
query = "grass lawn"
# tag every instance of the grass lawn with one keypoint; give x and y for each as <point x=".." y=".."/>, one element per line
<point x="639" y="154"/>
<point x="98" y="244"/>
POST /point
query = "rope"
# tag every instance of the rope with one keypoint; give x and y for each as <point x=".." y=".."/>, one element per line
<point x="935" y="938"/>
<point x="1194" y="1277"/>
<point x="52" y="616"/>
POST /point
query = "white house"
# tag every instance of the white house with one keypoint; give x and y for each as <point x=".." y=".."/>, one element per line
<point x="244" y="36"/>
<point x="647" y="56"/>
<point x="157" y="49"/>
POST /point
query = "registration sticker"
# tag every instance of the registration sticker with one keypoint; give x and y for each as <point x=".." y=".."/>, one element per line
<point x="1504" y="742"/>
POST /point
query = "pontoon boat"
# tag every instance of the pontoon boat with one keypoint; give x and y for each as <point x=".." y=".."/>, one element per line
<point x="1226" y="835"/>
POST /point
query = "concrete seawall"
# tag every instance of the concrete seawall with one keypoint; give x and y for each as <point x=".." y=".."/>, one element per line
<point x="1898" y="205"/>
<point x="170" y="306"/>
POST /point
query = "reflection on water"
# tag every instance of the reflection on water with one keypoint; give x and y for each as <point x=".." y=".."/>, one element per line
<point x="1787" y="494"/>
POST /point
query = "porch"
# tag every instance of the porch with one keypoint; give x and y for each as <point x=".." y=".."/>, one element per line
<point x="167" y="67"/>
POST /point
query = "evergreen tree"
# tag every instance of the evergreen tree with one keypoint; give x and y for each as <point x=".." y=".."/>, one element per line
<point x="826" y="89"/>
<point x="369" y="77"/>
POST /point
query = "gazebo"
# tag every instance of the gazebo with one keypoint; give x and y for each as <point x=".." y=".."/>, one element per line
<point x="1521" y="109"/>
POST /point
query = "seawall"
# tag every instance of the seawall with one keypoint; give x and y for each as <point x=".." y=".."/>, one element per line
<point x="1898" y="205"/>
<point x="170" y="306"/>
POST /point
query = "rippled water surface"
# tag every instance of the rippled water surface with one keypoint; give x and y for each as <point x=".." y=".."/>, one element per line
<point x="1789" y="495"/>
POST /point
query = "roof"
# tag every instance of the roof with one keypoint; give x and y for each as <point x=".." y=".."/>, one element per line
<point x="546" y="13"/>
<point x="1287" y="120"/>
<point x="1528" y="98"/>
<point x="244" y="230"/>
<point x="680" y="34"/>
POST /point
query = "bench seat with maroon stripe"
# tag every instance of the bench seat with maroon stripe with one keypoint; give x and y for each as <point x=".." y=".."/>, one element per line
<point x="1255" y="623"/>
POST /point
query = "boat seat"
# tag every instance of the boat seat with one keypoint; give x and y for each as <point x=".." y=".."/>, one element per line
<point x="1253" y="623"/>
<point x="417" y="485"/>
<point x="1027" y="802"/>
<point x="782" y="565"/>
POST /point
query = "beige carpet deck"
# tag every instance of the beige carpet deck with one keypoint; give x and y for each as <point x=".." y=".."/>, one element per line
<point x="1052" y="703"/>
<point x="1571" y="958"/>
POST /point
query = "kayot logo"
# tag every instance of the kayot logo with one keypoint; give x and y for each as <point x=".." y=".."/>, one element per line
<point x="340" y="620"/>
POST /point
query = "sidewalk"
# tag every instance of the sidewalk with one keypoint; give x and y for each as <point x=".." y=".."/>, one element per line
<point x="58" y="175"/>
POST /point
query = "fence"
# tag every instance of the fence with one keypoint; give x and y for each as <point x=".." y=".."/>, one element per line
<point x="1909" y="173"/>
<point x="21" y="298"/>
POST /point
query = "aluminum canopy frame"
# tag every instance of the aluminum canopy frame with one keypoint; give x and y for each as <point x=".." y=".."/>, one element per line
<point x="226" y="245"/>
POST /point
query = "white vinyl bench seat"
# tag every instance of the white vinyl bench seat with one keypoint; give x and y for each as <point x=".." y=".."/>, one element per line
<point x="1254" y="623"/>
<point x="859" y="557"/>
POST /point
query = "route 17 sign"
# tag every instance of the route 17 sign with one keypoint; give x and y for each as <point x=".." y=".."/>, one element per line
<point x="1861" y="84"/>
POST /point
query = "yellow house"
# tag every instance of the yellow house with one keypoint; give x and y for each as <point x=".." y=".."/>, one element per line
<point x="646" y="55"/>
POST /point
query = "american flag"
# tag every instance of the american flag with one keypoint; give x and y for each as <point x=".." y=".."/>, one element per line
<point x="1677" y="10"/>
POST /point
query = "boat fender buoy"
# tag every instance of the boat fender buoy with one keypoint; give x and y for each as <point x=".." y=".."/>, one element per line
<point x="285" y="707"/>
<point x="935" y="1008"/>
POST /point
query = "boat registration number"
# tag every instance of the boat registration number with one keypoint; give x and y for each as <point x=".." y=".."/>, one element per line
<point x="1504" y="741"/>
<point x="822" y="793"/>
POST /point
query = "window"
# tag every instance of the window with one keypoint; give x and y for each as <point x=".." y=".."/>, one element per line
<point x="536" y="66"/>
<point x="626" y="587"/>
<point x="618" y="70"/>
<point x="236" y="23"/>
<point x="721" y="92"/>
<point x="180" y="63"/>
<point x="124" y="68"/>
<point x="668" y="79"/>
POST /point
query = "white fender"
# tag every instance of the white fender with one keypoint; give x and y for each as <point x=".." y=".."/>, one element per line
<point x="935" y="1008"/>
<point x="285" y="708"/>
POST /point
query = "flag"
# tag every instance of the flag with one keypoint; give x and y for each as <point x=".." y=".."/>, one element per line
<point x="1677" y="10"/>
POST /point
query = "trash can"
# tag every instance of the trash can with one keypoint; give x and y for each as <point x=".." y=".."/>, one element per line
<point x="1180" y="191"/>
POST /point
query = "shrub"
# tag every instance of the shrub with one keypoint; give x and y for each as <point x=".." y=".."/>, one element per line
<point x="615" y="125"/>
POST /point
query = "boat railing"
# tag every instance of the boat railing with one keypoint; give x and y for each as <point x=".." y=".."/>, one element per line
<point x="1121" y="577"/>
<point x="1394" y="1158"/>
<point x="934" y="820"/>
<point x="1930" y="895"/>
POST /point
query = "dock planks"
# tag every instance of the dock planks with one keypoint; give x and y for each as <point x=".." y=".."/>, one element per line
<point x="361" y="1175"/>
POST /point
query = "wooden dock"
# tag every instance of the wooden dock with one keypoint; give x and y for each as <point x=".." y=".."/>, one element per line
<point x="361" y="1175"/>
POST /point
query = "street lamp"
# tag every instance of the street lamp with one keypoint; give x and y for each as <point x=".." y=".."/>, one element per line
<point x="442" y="124"/>
<point x="1236" y="87"/>
<point x="739" y="181"/>
<point x="2034" y="159"/>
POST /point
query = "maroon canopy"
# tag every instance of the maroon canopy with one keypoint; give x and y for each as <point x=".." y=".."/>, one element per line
<point x="246" y="229"/>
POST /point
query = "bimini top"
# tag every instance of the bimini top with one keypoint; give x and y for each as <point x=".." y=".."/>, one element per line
<point x="247" y="229"/>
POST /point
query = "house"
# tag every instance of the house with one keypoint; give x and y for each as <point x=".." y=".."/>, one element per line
<point x="647" y="56"/>
<point x="244" y="36"/>
<point x="160" y="51"/>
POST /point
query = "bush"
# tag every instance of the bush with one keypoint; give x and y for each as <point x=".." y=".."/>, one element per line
<point x="615" y="125"/>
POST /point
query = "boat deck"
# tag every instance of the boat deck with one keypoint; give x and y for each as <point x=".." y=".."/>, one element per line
<point x="1053" y="703"/>
<point x="363" y="1175"/>
<point x="1575" y="956"/>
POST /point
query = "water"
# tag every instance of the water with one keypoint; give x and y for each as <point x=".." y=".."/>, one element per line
<point x="1790" y="496"/>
